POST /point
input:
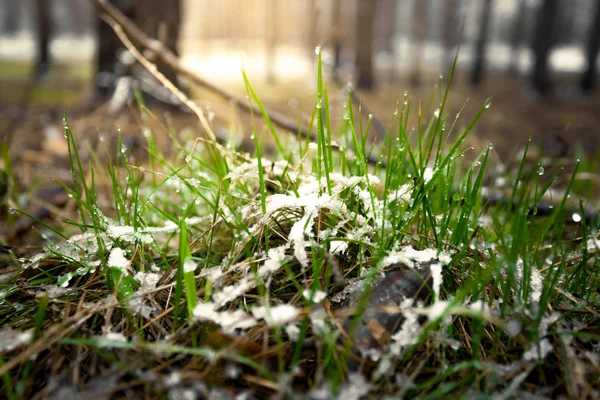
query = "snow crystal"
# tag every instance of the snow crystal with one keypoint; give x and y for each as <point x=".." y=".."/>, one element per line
<point x="232" y="292"/>
<point x="532" y="354"/>
<point x="480" y="306"/>
<point x="408" y="256"/>
<point x="536" y="281"/>
<point x="189" y="265"/>
<point x="356" y="388"/>
<point x="147" y="280"/>
<point x="293" y="332"/>
<point x="10" y="339"/>
<point x="436" y="310"/>
<point x="437" y="277"/>
<point x="513" y="327"/>
<point x="117" y="259"/>
<point x="275" y="258"/>
<point x="296" y="236"/>
<point x="316" y="296"/>
<point x="276" y="315"/>
<point x="409" y="332"/>
<point x="338" y="246"/>
<point x="115" y="337"/>
<point x="228" y="320"/>
<point x="428" y="174"/>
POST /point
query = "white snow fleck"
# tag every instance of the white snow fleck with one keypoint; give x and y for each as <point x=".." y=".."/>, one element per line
<point x="228" y="320"/>
<point x="428" y="174"/>
<point x="316" y="296"/>
<point x="147" y="280"/>
<point x="436" y="310"/>
<point x="409" y="332"/>
<point x="189" y="265"/>
<point x="115" y="337"/>
<point x="276" y="315"/>
<point x="437" y="277"/>
<point x="545" y="347"/>
<point x="232" y="292"/>
<point x="293" y="332"/>
<point x="10" y="338"/>
<point x="356" y="388"/>
<point x="338" y="246"/>
<point x="275" y="258"/>
<point x="480" y="306"/>
<point x="117" y="259"/>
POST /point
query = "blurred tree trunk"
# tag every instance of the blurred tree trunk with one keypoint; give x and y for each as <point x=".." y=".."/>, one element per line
<point x="482" y="42"/>
<point x="419" y="30"/>
<point x="365" y="35"/>
<point x="42" y="17"/>
<point x="387" y="12"/>
<point x="588" y="83"/>
<point x="450" y="34"/>
<point x="10" y="17"/>
<point x="516" y="39"/>
<point x="337" y="36"/>
<point x="543" y="40"/>
<point x="157" y="18"/>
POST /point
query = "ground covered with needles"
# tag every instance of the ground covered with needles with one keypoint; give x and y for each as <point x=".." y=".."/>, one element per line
<point x="308" y="271"/>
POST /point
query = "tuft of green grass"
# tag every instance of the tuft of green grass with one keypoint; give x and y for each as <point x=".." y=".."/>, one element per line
<point x="269" y="272"/>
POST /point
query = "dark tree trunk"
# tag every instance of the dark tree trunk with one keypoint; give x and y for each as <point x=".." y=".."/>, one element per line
<point x="516" y="39"/>
<point x="543" y="40"/>
<point x="588" y="82"/>
<point x="159" y="19"/>
<point x="365" y="34"/>
<point x="42" y="62"/>
<point x="10" y="17"/>
<point x="387" y="24"/>
<point x="481" y="45"/>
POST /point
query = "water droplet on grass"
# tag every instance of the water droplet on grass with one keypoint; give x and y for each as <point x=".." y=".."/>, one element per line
<point x="576" y="217"/>
<point x="11" y="210"/>
<point x="318" y="50"/>
<point x="541" y="171"/>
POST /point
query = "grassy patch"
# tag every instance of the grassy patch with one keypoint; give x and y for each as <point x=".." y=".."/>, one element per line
<point x="312" y="272"/>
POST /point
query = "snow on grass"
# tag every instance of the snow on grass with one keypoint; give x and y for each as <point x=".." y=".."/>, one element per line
<point x="276" y="315"/>
<point x="11" y="339"/>
<point x="228" y="320"/>
<point x="409" y="331"/>
<point x="315" y="296"/>
<point x="189" y="265"/>
<point x="117" y="259"/>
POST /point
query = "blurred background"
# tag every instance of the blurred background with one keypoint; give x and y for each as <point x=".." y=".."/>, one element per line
<point x="536" y="58"/>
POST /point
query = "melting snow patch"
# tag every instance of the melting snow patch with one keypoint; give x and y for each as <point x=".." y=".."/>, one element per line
<point x="276" y="315"/>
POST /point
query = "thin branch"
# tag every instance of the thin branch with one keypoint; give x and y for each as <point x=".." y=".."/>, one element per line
<point x="160" y="76"/>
